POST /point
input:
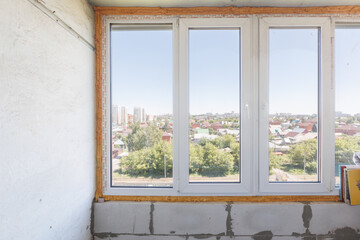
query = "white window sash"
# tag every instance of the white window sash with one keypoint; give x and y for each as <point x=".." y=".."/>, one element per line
<point x="148" y="191"/>
<point x="246" y="112"/>
<point x="326" y="145"/>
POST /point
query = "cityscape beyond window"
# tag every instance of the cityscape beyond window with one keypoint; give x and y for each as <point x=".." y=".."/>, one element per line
<point x="214" y="84"/>
<point x="228" y="106"/>
<point x="141" y="96"/>
<point x="293" y="103"/>
<point x="347" y="92"/>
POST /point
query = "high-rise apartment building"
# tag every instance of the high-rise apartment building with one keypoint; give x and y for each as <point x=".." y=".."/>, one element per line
<point x="137" y="114"/>
<point x="118" y="121"/>
<point x="124" y="115"/>
<point x="143" y="115"/>
<point x="114" y="114"/>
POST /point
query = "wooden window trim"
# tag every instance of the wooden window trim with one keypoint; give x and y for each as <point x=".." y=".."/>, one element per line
<point x="255" y="199"/>
<point x="104" y="11"/>
<point x="225" y="10"/>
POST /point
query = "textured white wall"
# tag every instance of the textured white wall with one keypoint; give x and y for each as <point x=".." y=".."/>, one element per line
<point x="47" y="121"/>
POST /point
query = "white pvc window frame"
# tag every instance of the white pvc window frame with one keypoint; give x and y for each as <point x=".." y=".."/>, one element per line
<point x="339" y="22"/>
<point x="149" y="191"/>
<point x="326" y="145"/>
<point x="254" y="108"/>
<point x="246" y="107"/>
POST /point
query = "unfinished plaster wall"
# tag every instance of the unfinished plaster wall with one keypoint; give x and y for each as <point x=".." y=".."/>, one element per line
<point x="47" y="121"/>
<point x="225" y="221"/>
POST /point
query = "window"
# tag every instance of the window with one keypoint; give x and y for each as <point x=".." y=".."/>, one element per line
<point x="226" y="106"/>
<point x="293" y="104"/>
<point x="215" y="93"/>
<point x="347" y="87"/>
<point x="294" y="101"/>
<point x="214" y="104"/>
<point x="141" y="129"/>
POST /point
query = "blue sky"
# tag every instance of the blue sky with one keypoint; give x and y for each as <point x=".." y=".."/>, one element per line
<point x="142" y="70"/>
<point x="293" y="71"/>
<point x="141" y="64"/>
<point x="214" y="71"/>
<point x="347" y="70"/>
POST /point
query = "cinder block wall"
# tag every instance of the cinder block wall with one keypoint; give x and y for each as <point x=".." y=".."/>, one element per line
<point x="223" y="221"/>
<point x="47" y="121"/>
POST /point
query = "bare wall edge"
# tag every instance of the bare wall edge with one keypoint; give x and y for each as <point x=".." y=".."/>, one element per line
<point x="78" y="15"/>
<point x="47" y="125"/>
<point x="148" y="220"/>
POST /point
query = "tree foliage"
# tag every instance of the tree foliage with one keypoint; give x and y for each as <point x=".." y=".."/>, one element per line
<point x="275" y="161"/>
<point x="345" y="148"/>
<point x="166" y="126"/>
<point x="149" y="162"/>
<point x="218" y="157"/>
<point x="306" y="150"/>
<point x="140" y="138"/>
<point x="208" y="160"/>
<point x="226" y="142"/>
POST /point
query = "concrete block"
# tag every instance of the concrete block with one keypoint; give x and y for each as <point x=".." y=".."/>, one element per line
<point x="236" y="238"/>
<point x="279" y="218"/>
<point x="148" y="237"/>
<point x="329" y="217"/>
<point x="285" y="238"/>
<point x="122" y="217"/>
<point x="204" y="238"/>
<point x="189" y="218"/>
<point x="248" y="238"/>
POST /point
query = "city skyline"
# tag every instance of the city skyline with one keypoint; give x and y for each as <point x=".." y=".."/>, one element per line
<point x="121" y="115"/>
<point x="337" y="113"/>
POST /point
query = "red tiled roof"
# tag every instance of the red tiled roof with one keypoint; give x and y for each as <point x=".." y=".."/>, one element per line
<point x="291" y="134"/>
<point x="166" y="134"/>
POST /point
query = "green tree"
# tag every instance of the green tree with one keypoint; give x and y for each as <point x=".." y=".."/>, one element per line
<point x="224" y="141"/>
<point x="275" y="161"/>
<point x="166" y="126"/>
<point x="196" y="153"/>
<point x="350" y="120"/>
<point x="271" y="137"/>
<point x="235" y="152"/>
<point x="140" y="138"/>
<point x="153" y="135"/>
<point x="345" y="148"/>
<point x="216" y="162"/>
<point x="129" y="139"/>
<point x="304" y="153"/>
<point x="149" y="162"/>
<point x="304" y="150"/>
<point x="227" y="140"/>
<point x="204" y="141"/>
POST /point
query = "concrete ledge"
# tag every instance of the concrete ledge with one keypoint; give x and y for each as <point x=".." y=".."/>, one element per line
<point x="223" y="221"/>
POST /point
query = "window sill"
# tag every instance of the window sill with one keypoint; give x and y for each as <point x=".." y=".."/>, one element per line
<point x="293" y="198"/>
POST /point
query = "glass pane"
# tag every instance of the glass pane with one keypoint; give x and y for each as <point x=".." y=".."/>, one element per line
<point x="347" y="92"/>
<point x="214" y="127"/>
<point x="141" y="97"/>
<point x="293" y="104"/>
